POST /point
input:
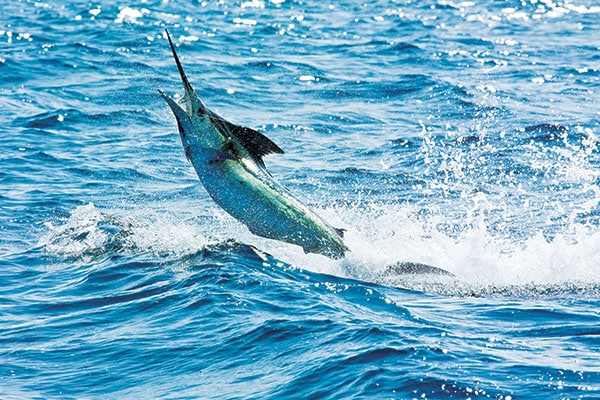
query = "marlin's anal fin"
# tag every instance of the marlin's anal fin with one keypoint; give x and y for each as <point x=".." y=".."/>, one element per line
<point x="228" y="146"/>
<point x="339" y="231"/>
<point x="188" y="153"/>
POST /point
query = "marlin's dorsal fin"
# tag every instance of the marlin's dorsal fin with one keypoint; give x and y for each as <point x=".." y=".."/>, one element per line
<point x="257" y="144"/>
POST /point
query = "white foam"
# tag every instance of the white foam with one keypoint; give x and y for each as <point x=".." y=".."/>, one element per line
<point x="378" y="235"/>
<point x="90" y="231"/>
<point x="130" y="15"/>
<point x="383" y="235"/>
<point x="78" y="235"/>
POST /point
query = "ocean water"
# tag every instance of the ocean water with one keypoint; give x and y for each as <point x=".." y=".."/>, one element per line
<point x="458" y="134"/>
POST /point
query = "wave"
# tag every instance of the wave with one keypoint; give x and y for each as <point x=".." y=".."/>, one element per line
<point x="483" y="263"/>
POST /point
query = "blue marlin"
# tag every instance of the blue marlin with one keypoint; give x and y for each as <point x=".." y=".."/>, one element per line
<point x="228" y="159"/>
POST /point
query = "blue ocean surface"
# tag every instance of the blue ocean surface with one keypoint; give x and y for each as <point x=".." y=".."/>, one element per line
<point x="459" y="134"/>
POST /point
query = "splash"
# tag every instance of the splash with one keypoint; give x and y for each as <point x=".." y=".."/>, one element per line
<point x="91" y="232"/>
<point x="379" y="235"/>
<point x="505" y="214"/>
<point x="483" y="261"/>
<point x="479" y="257"/>
<point x="461" y="235"/>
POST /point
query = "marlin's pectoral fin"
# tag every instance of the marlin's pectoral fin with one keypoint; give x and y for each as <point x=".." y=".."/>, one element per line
<point x="215" y="155"/>
<point x="228" y="146"/>
<point x="339" y="231"/>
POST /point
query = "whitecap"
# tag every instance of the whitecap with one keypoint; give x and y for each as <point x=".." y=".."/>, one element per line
<point x="130" y="15"/>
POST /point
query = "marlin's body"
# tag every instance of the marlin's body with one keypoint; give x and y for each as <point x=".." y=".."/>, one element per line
<point x="228" y="161"/>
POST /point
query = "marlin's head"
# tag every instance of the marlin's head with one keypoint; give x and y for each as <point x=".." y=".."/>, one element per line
<point x="195" y="149"/>
<point x="193" y="104"/>
<point x="189" y="135"/>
